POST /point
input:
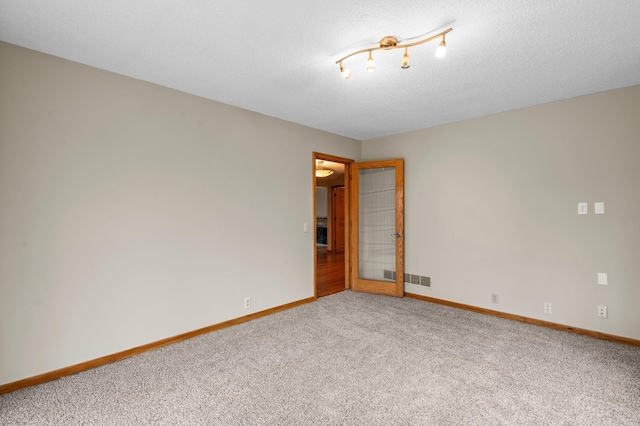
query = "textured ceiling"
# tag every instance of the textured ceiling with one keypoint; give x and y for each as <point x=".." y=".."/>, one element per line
<point x="278" y="57"/>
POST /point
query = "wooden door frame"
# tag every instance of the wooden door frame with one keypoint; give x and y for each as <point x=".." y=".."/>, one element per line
<point x="334" y="231"/>
<point x="347" y="240"/>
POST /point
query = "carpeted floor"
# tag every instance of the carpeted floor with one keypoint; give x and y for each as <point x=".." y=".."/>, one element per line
<point x="353" y="359"/>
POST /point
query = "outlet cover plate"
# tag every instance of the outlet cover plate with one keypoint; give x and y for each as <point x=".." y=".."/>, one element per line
<point x="602" y="311"/>
<point x="583" y="208"/>
<point x="603" y="278"/>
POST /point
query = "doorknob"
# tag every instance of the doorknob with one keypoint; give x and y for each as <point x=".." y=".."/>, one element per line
<point x="396" y="235"/>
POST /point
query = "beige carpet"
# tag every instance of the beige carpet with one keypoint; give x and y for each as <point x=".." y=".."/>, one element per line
<point x="353" y="359"/>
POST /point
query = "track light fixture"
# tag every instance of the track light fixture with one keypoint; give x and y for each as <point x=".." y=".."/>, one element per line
<point x="405" y="59"/>
<point x="391" y="42"/>
<point x="442" y="48"/>
<point x="345" y="72"/>
<point x="371" y="66"/>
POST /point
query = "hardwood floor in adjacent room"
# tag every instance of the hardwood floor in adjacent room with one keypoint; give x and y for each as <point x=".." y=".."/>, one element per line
<point x="330" y="271"/>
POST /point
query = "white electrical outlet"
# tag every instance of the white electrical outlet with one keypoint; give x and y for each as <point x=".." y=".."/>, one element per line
<point x="547" y="308"/>
<point x="602" y="311"/>
<point x="583" y="208"/>
<point x="494" y="297"/>
<point x="247" y="302"/>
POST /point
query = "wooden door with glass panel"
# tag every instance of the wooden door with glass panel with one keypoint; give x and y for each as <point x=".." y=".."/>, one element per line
<point x="377" y="220"/>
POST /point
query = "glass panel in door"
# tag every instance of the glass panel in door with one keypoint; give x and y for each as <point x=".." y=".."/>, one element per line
<point x="377" y="223"/>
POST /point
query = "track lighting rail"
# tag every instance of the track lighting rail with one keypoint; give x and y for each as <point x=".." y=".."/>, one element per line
<point x="389" y="43"/>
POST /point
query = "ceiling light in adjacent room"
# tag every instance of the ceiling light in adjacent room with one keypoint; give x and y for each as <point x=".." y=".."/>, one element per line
<point x="322" y="173"/>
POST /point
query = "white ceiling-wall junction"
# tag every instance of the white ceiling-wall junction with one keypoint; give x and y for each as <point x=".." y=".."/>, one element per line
<point x="278" y="57"/>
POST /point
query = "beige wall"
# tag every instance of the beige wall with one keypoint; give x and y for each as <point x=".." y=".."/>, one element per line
<point x="322" y="196"/>
<point x="130" y="212"/>
<point x="491" y="207"/>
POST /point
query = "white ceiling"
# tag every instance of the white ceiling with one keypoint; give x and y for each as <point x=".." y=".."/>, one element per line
<point x="278" y="57"/>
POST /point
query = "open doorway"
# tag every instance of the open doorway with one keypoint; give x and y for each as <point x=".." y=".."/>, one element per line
<point x="331" y="208"/>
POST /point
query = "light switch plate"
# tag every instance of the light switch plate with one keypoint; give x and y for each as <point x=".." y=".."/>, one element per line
<point x="603" y="279"/>
<point x="583" y="208"/>
<point x="598" y="208"/>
